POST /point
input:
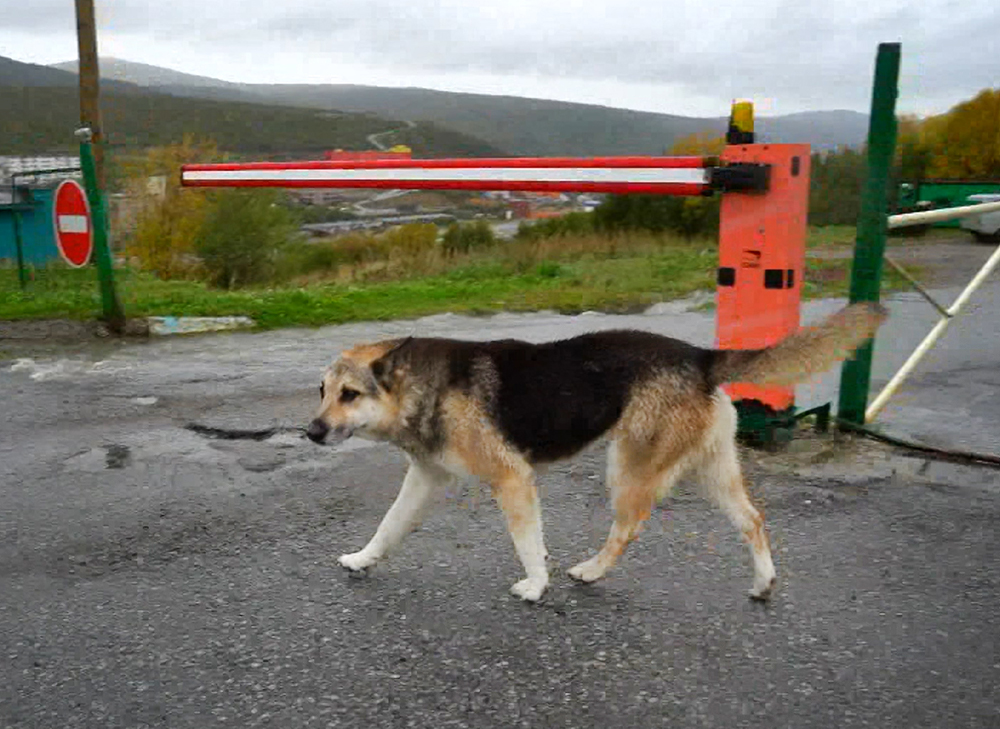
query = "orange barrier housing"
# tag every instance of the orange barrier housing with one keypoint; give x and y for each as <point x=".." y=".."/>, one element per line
<point x="762" y="240"/>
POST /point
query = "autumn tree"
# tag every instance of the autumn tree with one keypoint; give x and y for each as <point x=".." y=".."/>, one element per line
<point x="704" y="144"/>
<point x="169" y="216"/>
<point x="966" y="141"/>
<point x="914" y="151"/>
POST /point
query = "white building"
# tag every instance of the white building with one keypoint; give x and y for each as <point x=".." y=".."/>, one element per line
<point x="11" y="165"/>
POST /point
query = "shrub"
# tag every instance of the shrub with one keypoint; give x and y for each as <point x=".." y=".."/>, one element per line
<point x="412" y="239"/>
<point x="301" y="258"/>
<point x="241" y="236"/>
<point x="465" y="237"/>
<point x="569" y="224"/>
<point x="690" y="217"/>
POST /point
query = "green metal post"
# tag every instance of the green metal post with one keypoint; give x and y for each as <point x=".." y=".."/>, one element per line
<point x="114" y="315"/>
<point x="22" y="273"/>
<point x="869" y="248"/>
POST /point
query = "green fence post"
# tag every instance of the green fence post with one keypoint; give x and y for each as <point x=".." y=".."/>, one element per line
<point x="114" y="316"/>
<point x="869" y="248"/>
<point x="22" y="273"/>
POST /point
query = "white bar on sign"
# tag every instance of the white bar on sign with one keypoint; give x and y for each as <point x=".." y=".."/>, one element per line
<point x="73" y="224"/>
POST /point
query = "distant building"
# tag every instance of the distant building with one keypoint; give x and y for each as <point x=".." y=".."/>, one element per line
<point x="340" y="155"/>
<point x="12" y="166"/>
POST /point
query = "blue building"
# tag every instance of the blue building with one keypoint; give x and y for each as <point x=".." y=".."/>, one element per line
<point x="34" y="207"/>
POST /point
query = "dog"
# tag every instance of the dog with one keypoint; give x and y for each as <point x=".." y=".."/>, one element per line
<point x="499" y="409"/>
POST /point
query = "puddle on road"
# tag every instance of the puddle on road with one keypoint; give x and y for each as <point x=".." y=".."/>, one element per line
<point x="117" y="456"/>
<point x="66" y="368"/>
<point x="254" y="450"/>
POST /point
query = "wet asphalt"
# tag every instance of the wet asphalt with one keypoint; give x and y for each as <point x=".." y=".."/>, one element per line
<point x="156" y="573"/>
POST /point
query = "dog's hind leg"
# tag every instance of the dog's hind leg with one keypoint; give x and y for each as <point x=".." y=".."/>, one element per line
<point x="722" y="477"/>
<point x="420" y="482"/>
<point x="635" y="487"/>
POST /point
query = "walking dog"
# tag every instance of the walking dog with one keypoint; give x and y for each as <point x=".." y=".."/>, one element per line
<point x="498" y="409"/>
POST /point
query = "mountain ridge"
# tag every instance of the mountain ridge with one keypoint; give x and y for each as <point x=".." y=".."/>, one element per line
<point x="520" y="125"/>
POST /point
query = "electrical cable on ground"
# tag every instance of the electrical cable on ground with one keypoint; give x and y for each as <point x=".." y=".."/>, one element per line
<point x="944" y="454"/>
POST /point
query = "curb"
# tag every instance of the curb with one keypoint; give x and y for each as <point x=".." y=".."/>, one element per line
<point x="69" y="330"/>
<point x="161" y="326"/>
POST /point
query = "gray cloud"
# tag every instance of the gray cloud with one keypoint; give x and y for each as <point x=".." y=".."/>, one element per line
<point x="39" y="15"/>
<point x="802" y="53"/>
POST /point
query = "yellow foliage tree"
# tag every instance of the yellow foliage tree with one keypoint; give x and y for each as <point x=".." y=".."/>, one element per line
<point x="704" y="143"/>
<point x="697" y="215"/>
<point x="913" y="148"/>
<point x="966" y="140"/>
<point x="169" y="216"/>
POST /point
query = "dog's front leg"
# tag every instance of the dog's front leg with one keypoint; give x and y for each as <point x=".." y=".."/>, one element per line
<point x="518" y="498"/>
<point x="420" y="482"/>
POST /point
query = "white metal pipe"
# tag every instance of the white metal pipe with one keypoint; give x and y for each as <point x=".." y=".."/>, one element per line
<point x="933" y="216"/>
<point x="935" y="334"/>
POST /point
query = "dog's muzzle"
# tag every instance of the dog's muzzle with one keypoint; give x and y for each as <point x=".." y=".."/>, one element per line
<point x="319" y="432"/>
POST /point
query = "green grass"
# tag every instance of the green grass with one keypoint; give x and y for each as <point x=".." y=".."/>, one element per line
<point x="607" y="282"/>
<point x="831" y="236"/>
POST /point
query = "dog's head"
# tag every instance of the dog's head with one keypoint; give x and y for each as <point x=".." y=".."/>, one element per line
<point x="360" y="395"/>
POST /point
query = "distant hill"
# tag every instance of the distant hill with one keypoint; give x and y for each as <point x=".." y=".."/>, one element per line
<point x="16" y="73"/>
<point x="39" y="109"/>
<point x="142" y="74"/>
<point x="519" y="125"/>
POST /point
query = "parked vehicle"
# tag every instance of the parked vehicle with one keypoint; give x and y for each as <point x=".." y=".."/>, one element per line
<point x="986" y="227"/>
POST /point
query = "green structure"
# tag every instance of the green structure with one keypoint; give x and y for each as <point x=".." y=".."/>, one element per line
<point x="942" y="194"/>
<point x="114" y="315"/>
<point x="869" y="249"/>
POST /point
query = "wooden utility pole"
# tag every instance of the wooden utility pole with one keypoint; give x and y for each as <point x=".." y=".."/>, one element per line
<point x="90" y="84"/>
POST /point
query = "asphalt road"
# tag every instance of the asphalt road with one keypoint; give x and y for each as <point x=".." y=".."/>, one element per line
<point x="151" y="575"/>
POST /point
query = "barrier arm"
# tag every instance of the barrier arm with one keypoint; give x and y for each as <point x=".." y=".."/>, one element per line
<point x="947" y="314"/>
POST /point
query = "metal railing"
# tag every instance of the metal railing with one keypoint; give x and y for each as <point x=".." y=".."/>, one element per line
<point x="947" y="313"/>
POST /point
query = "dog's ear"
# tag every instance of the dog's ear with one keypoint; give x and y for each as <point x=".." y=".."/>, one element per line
<point x="384" y="367"/>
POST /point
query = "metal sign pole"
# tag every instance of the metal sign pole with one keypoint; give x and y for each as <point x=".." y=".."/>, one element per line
<point x="114" y="315"/>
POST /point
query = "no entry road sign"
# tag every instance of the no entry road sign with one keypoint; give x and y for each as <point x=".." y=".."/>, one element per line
<point x="73" y="223"/>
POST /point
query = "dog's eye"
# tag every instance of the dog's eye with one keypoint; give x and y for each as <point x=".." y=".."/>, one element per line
<point x="347" y="394"/>
<point x="322" y="390"/>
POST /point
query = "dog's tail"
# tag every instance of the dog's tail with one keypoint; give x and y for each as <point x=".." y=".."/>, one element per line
<point x="803" y="354"/>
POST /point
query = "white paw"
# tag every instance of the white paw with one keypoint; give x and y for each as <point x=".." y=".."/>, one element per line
<point x="588" y="571"/>
<point x="763" y="587"/>
<point x="358" y="561"/>
<point x="530" y="588"/>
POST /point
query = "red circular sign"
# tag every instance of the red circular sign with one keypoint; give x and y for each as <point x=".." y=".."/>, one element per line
<point x="71" y="217"/>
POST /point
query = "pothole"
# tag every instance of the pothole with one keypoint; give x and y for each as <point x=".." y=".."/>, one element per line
<point x="208" y="431"/>
<point x="117" y="456"/>
<point x="109" y="457"/>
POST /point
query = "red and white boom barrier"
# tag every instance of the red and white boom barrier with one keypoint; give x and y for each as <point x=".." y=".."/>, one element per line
<point x="649" y="175"/>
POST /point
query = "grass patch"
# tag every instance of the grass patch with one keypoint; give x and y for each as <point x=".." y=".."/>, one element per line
<point x="831" y="236"/>
<point x="565" y="275"/>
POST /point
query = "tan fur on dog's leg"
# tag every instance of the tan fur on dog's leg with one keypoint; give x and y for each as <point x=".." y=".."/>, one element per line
<point x="723" y="479"/>
<point x="420" y="483"/>
<point x="518" y="497"/>
<point x="478" y="447"/>
<point x="634" y="493"/>
<point x="632" y="501"/>
<point x="653" y="447"/>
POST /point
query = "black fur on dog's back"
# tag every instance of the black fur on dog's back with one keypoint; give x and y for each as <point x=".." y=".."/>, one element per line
<point x="554" y="399"/>
<point x="551" y="400"/>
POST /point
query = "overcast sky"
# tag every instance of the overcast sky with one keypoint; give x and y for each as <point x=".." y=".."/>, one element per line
<point x="688" y="57"/>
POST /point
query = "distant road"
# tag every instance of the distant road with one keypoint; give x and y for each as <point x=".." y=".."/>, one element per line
<point x="373" y="139"/>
